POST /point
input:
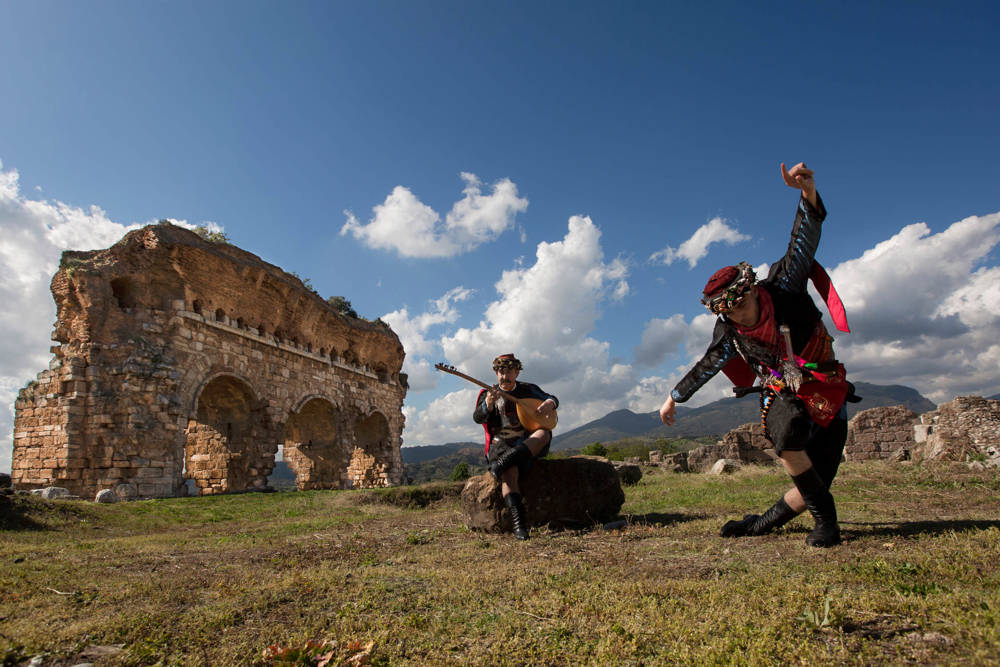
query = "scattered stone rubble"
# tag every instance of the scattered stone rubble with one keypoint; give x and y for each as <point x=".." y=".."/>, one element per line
<point x="179" y="359"/>
<point x="966" y="429"/>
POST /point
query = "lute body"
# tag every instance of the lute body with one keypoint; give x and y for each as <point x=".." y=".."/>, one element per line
<point x="527" y="408"/>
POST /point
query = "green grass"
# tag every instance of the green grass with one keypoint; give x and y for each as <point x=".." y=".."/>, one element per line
<point x="216" y="580"/>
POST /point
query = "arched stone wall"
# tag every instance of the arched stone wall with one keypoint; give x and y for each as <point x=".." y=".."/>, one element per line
<point x="372" y="456"/>
<point x="180" y="358"/>
<point x="313" y="445"/>
<point x="226" y="443"/>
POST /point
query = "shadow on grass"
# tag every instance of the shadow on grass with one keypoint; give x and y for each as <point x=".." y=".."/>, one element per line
<point x="661" y="519"/>
<point x="13" y="517"/>
<point x="911" y="528"/>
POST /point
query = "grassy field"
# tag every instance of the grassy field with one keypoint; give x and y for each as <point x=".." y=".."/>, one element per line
<point x="396" y="578"/>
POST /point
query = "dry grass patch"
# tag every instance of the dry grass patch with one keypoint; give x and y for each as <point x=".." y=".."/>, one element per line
<point x="219" y="580"/>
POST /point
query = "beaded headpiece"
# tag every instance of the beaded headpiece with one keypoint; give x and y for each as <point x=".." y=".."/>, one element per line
<point x="727" y="287"/>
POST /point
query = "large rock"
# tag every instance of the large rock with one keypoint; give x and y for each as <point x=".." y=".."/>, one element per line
<point x="629" y="473"/>
<point x="4" y="480"/>
<point x="677" y="462"/>
<point x="578" y="491"/>
<point x="748" y="444"/>
<point x="701" y="459"/>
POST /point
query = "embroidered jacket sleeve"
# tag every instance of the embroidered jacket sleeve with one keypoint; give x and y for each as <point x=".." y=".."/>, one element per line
<point x="714" y="360"/>
<point x="791" y="272"/>
<point x="481" y="413"/>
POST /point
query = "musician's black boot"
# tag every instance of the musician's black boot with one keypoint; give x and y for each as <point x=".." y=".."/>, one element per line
<point x="760" y="524"/>
<point x="508" y="459"/>
<point x="820" y="504"/>
<point x="518" y="517"/>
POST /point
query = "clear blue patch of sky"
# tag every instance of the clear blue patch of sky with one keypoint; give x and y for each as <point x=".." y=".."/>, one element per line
<point x="651" y="118"/>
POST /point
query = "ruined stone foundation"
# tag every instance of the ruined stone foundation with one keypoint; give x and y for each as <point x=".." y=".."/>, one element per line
<point x="179" y="359"/>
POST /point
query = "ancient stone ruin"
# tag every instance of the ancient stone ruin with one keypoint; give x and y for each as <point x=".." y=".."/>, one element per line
<point x="182" y="359"/>
<point x="965" y="429"/>
<point x="881" y="433"/>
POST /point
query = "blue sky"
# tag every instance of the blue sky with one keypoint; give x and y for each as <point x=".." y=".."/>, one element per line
<point x="496" y="177"/>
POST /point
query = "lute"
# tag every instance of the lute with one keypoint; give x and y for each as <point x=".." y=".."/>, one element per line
<point x="527" y="408"/>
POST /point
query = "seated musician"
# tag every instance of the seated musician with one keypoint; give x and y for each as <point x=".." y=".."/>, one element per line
<point x="510" y="447"/>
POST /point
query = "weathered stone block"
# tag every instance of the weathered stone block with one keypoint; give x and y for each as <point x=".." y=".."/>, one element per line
<point x="574" y="492"/>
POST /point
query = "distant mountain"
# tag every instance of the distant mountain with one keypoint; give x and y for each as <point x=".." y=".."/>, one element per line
<point x="423" y="466"/>
<point x="994" y="398"/>
<point x="421" y="453"/>
<point x="714" y="420"/>
<point x="718" y="418"/>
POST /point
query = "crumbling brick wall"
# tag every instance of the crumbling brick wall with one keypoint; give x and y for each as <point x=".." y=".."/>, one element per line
<point x="879" y="433"/>
<point x="965" y="428"/>
<point x="181" y="359"/>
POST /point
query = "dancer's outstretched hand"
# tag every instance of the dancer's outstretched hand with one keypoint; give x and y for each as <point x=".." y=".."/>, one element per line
<point x="801" y="178"/>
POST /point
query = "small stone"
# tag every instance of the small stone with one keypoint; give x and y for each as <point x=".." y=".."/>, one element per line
<point x="53" y="492"/>
<point x="725" y="466"/>
<point x="106" y="496"/>
<point x="629" y="473"/>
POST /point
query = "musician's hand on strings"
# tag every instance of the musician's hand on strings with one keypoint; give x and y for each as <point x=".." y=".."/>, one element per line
<point x="492" y="394"/>
<point x="547" y="406"/>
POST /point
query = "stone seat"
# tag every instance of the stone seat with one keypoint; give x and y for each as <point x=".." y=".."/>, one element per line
<point x="574" y="492"/>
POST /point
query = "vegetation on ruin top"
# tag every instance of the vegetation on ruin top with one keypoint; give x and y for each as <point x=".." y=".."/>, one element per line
<point x="393" y="576"/>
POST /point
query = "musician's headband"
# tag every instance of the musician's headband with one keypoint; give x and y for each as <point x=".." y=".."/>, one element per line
<point x="506" y="361"/>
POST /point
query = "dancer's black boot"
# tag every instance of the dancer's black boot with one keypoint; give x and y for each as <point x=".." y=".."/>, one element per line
<point x="512" y="457"/>
<point x="820" y="504"/>
<point x="518" y="517"/>
<point x="760" y="524"/>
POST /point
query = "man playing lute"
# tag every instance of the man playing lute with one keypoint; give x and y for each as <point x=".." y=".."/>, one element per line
<point x="510" y="447"/>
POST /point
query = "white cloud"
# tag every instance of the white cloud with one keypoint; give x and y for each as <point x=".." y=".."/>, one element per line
<point x="412" y="332"/>
<point x="544" y="313"/>
<point x="660" y="338"/>
<point x="445" y="419"/>
<point x="33" y="234"/>
<point x="714" y="231"/>
<point x="405" y="224"/>
<point x="923" y="312"/>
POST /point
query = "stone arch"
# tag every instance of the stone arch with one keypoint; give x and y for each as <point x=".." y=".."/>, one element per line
<point x="314" y="448"/>
<point x="372" y="455"/>
<point x="227" y="446"/>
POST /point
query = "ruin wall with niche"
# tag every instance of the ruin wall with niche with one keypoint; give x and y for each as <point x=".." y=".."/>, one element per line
<point x="178" y="358"/>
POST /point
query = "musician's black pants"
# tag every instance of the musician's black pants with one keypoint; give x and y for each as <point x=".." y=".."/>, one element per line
<point x="500" y="445"/>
